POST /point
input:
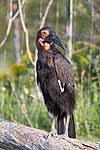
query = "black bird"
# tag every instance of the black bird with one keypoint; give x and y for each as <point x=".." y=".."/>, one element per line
<point x="55" y="79"/>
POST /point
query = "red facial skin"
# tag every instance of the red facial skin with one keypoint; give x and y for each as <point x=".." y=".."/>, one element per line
<point x="46" y="46"/>
<point x="44" y="33"/>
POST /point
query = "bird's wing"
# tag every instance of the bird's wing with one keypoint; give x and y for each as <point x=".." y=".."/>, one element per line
<point x="64" y="74"/>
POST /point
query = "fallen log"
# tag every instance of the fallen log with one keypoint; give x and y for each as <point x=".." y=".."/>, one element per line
<point x="19" y="137"/>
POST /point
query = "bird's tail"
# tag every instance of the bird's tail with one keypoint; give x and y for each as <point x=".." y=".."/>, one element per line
<point x="71" y="127"/>
<point x="60" y="125"/>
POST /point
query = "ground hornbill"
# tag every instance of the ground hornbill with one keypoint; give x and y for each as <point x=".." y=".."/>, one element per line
<point x="55" y="79"/>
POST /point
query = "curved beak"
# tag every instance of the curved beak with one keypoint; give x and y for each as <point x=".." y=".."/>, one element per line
<point x="55" y="39"/>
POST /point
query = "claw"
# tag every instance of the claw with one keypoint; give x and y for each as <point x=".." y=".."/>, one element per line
<point x="52" y="133"/>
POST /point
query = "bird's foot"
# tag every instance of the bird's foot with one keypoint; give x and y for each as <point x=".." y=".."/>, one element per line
<point x="52" y="133"/>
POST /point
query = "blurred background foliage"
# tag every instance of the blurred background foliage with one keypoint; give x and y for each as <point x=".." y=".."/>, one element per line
<point x="19" y="98"/>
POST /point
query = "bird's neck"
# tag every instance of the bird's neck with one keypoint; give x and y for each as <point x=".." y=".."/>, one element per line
<point x="43" y="55"/>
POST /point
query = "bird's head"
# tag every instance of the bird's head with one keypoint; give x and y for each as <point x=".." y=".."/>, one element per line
<point x="46" y="38"/>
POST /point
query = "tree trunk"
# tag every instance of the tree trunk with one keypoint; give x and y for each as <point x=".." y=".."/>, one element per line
<point x="69" y="26"/>
<point x="19" y="137"/>
<point x="17" y="34"/>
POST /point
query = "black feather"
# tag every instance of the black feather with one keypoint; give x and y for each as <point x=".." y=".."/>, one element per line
<point x="53" y="66"/>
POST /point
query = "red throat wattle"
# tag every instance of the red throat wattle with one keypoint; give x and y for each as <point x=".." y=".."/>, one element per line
<point x="46" y="46"/>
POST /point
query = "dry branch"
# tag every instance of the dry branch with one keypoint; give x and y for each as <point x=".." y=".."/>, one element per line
<point x="11" y="19"/>
<point x="26" y="32"/>
<point x="14" y="136"/>
<point x="46" y="13"/>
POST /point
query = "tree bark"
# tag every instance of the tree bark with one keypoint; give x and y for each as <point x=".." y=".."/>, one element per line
<point x="16" y="34"/>
<point x="20" y="137"/>
<point x="69" y="26"/>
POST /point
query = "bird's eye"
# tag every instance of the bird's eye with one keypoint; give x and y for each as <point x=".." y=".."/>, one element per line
<point x="43" y="32"/>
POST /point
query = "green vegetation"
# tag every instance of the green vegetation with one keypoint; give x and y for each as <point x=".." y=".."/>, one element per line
<point x="19" y="99"/>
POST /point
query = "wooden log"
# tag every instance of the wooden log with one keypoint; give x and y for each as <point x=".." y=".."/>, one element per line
<point x="19" y="137"/>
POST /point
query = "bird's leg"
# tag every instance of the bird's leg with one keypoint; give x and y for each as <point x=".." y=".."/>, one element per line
<point x="53" y="131"/>
<point x="67" y="125"/>
<point x="53" y="127"/>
